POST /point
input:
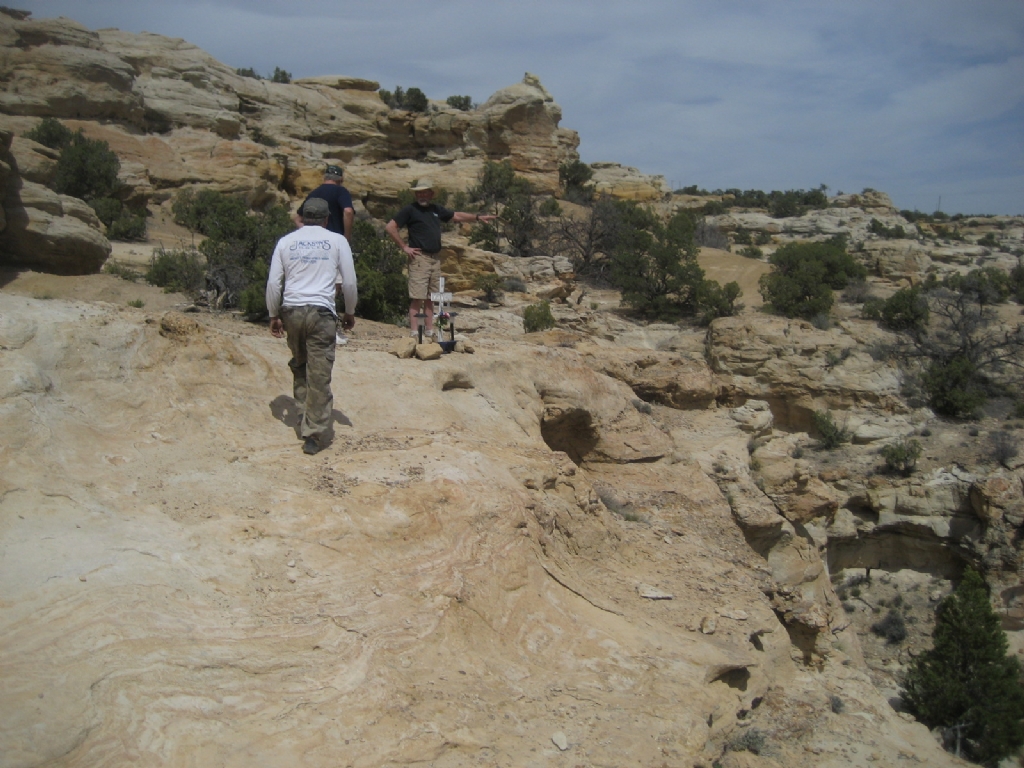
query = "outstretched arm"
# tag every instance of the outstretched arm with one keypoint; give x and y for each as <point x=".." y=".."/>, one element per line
<point x="461" y="217"/>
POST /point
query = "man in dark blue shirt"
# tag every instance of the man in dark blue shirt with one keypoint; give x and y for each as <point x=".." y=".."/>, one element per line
<point x="339" y="203"/>
<point x="423" y="220"/>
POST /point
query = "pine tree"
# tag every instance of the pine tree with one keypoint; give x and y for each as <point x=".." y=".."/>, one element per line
<point x="966" y="684"/>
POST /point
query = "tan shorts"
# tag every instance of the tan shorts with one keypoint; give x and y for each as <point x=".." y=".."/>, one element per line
<point x="424" y="276"/>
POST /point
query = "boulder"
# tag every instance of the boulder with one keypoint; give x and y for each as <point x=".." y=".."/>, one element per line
<point x="48" y="232"/>
<point x="754" y="416"/>
<point x="403" y="348"/>
<point x="429" y="350"/>
<point x="625" y="183"/>
<point x="868" y="199"/>
<point x="895" y="259"/>
<point x="520" y="123"/>
<point x="34" y="162"/>
<point x="656" y="377"/>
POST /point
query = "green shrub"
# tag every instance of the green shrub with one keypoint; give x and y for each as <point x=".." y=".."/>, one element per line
<point x="804" y="275"/>
<point x="655" y="264"/>
<point x="137" y="303"/>
<point x="906" y="310"/>
<point x="281" y="76"/>
<point x="538" y="317"/>
<point x="128" y="227"/>
<point x="985" y="286"/>
<point x="714" y="300"/>
<point x="416" y="100"/>
<point x="549" y="207"/>
<point x="792" y="202"/>
<point x="751" y="740"/>
<point x="499" y="189"/>
<point x="831" y="434"/>
<point x="966" y="683"/>
<point x="953" y="387"/>
<point x="989" y="240"/>
<point x="179" y="270"/>
<point x="520" y="224"/>
<point x="413" y="100"/>
<point x="87" y="168"/>
<point x="486" y="236"/>
<point x="514" y="285"/>
<point x="575" y="176"/>
<point x="253" y="299"/>
<point x="463" y="103"/>
<point x="248" y="72"/>
<point x="120" y="222"/>
<point x="752" y="252"/>
<point x="239" y="242"/>
<point x="497" y="184"/>
<point x="1004" y="448"/>
<point x="1016" y="278"/>
<point x="122" y="271"/>
<point x="902" y="455"/>
<point x="822" y="321"/>
<point x="872" y="309"/>
<point x="891" y="233"/>
<point x="51" y="132"/>
<point x="893" y="628"/>
<point x="383" y="286"/>
<point x="491" y="284"/>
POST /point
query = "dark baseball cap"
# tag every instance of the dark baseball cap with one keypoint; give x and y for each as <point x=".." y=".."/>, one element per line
<point x="334" y="171"/>
<point x="315" y="208"/>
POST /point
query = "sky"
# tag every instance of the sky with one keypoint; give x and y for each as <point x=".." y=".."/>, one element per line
<point x="921" y="99"/>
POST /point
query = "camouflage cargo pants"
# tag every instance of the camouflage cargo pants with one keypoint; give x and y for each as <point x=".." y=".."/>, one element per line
<point x="312" y="332"/>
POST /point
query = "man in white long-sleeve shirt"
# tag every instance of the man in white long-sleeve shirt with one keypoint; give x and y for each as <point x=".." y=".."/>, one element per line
<point x="309" y="268"/>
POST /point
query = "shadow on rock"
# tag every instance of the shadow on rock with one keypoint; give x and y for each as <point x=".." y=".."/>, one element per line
<point x="286" y="410"/>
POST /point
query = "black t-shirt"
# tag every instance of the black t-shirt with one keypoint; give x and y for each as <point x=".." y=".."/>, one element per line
<point x="424" y="225"/>
<point x="338" y="199"/>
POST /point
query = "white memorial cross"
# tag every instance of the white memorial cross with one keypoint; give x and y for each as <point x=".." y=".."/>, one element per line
<point x="439" y="299"/>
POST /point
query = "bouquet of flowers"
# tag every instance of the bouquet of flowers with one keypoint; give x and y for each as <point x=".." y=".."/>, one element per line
<point x="443" y="319"/>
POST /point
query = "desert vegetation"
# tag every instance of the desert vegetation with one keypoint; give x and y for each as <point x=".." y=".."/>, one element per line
<point x="88" y="169"/>
<point x="409" y="99"/>
<point x="804" y="275"/>
<point x="967" y="684"/>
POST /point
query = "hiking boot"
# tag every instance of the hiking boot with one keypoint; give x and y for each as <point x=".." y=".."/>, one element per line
<point x="311" y="447"/>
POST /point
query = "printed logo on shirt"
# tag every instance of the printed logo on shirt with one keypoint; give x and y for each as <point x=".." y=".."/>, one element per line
<point x="309" y="245"/>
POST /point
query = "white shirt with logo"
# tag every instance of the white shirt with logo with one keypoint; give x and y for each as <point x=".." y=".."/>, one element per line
<point x="306" y="266"/>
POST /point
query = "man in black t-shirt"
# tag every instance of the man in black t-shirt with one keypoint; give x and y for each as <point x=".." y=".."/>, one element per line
<point x="339" y="203"/>
<point x="423" y="220"/>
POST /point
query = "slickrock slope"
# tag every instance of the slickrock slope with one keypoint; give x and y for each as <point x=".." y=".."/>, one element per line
<point x="606" y="544"/>
<point x="443" y="584"/>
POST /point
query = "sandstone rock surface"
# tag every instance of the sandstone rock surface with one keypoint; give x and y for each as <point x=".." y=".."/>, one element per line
<point x="178" y="117"/>
<point x="52" y="232"/>
<point x="448" y="561"/>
